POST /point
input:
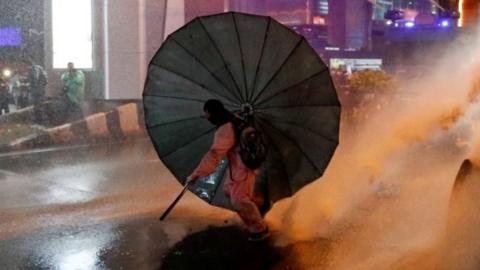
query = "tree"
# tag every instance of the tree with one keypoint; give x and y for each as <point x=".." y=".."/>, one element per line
<point x="368" y="93"/>
<point x="371" y="81"/>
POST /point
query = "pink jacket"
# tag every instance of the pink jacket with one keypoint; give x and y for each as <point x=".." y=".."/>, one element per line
<point x="224" y="143"/>
<point x="239" y="183"/>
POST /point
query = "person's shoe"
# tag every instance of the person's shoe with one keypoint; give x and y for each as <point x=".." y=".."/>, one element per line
<point x="259" y="236"/>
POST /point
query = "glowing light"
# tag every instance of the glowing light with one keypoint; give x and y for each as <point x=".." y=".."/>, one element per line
<point x="409" y="24"/>
<point x="460" y="10"/>
<point x="445" y="23"/>
<point x="72" y="33"/>
<point x="319" y="20"/>
<point x="389" y="22"/>
<point x="7" y="73"/>
<point x="10" y="36"/>
<point x="79" y="261"/>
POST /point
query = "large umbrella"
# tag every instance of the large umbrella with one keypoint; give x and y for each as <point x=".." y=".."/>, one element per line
<point x="244" y="61"/>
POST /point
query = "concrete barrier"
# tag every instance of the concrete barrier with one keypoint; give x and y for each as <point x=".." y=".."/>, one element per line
<point x="122" y="123"/>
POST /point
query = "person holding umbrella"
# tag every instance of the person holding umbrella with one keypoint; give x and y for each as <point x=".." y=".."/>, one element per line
<point x="240" y="179"/>
<point x="271" y="75"/>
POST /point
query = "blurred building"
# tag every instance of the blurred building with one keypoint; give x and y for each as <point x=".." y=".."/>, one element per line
<point x="289" y="12"/>
<point x="119" y="37"/>
<point x="258" y="7"/>
<point x="195" y="8"/>
<point x="294" y="12"/>
<point x="349" y="24"/>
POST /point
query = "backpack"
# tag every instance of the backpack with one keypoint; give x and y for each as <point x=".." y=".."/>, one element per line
<point x="252" y="146"/>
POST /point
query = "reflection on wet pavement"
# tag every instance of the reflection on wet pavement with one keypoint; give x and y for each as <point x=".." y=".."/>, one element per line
<point x="131" y="245"/>
<point x="93" y="208"/>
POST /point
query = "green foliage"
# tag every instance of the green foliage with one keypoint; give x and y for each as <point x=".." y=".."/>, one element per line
<point x="371" y="81"/>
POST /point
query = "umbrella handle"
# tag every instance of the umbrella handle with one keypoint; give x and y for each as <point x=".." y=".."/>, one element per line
<point x="172" y="205"/>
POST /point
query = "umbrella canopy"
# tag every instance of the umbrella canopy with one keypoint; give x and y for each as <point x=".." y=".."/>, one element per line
<point x="244" y="61"/>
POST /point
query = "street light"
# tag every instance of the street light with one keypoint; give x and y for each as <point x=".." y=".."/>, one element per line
<point x="7" y="73"/>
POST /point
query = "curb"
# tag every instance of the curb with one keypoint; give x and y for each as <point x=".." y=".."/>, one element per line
<point x="122" y="123"/>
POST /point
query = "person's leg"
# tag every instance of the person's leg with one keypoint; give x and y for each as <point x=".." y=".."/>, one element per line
<point x="4" y="106"/>
<point x="248" y="212"/>
<point x="37" y="99"/>
<point x="74" y="111"/>
<point x="79" y="113"/>
<point x="241" y="198"/>
<point x="7" y="109"/>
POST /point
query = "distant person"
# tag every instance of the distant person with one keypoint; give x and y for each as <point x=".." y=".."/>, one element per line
<point x="4" y="96"/>
<point x="73" y="81"/>
<point x="37" y="81"/>
<point x="240" y="179"/>
<point x="15" y="88"/>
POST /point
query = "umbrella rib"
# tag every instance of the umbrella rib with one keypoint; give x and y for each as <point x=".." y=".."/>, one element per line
<point x="241" y="57"/>
<point x="176" y="121"/>
<point x="210" y="91"/>
<point x="305" y="128"/>
<point x="277" y="71"/>
<point x="261" y="101"/>
<point x="260" y="58"/>
<point x="297" y="106"/>
<point x="204" y="66"/>
<point x="281" y="159"/>
<point x="223" y="60"/>
<point x="190" y="142"/>
<point x="297" y="146"/>
<point x="183" y="98"/>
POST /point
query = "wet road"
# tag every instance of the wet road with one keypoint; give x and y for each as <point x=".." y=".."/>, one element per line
<point x="93" y="207"/>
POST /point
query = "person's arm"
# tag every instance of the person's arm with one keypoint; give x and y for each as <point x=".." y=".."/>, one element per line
<point x="224" y="140"/>
<point x="77" y="79"/>
<point x="64" y="80"/>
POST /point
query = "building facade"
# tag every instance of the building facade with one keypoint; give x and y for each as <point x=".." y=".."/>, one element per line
<point x="349" y="24"/>
<point x="121" y="36"/>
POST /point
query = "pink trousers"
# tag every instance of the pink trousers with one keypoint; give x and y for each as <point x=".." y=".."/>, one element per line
<point x="240" y="192"/>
